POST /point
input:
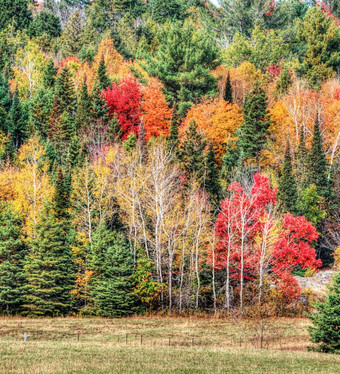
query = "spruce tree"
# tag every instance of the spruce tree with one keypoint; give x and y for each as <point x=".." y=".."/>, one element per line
<point x="228" y="91"/>
<point x="83" y="113"/>
<point x="62" y="136"/>
<point x="102" y="77"/>
<point x="112" y="283"/>
<point x="5" y="102"/>
<point x="326" y="320"/>
<point x="317" y="167"/>
<point x="49" y="268"/>
<point x="192" y="157"/>
<point x="17" y="122"/>
<point x="50" y="73"/>
<point x="12" y="254"/>
<point x="301" y="160"/>
<point x="72" y="38"/>
<point x="211" y="182"/>
<point x="64" y="92"/>
<point x="41" y="107"/>
<point x="254" y="130"/>
<point x="287" y="191"/>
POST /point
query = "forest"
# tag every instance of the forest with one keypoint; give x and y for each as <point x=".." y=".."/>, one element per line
<point x="163" y="156"/>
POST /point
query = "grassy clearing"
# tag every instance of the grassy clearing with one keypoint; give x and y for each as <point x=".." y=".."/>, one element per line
<point x="197" y="346"/>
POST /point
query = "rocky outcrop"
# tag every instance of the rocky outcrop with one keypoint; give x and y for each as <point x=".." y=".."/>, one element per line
<point x="318" y="283"/>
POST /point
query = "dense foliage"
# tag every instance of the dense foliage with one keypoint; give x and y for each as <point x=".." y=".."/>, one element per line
<point x="166" y="155"/>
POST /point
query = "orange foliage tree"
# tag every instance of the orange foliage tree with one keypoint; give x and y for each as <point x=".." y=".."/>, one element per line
<point x="156" y="112"/>
<point x="217" y="120"/>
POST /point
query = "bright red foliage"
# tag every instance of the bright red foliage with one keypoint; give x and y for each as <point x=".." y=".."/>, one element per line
<point x="242" y="217"/>
<point x="293" y="246"/>
<point x="124" y="100"/>
<point x="248" y="236"/>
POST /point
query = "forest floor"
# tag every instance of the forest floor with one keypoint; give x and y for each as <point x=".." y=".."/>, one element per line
<point x="159" y="345"/>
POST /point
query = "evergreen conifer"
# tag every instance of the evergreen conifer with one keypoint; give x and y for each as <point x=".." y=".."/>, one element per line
<point x="254" y="130"/>
<point x="287" y="191"/>
<point x="12" y="254"/>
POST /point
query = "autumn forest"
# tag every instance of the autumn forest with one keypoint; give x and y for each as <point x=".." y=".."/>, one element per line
<point x="166" y="156"/>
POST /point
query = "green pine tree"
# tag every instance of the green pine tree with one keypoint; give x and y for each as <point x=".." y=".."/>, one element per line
<point x="192" y="155"/>
<point x="321" y="38"/>
<point x="310" y="206"/>
<point x="183" y="62"/>
<point x="83" y="113"/>
<point x="73" y="35"/>
<point x="284" y="82"/>
<point x="301" y="160"/>
<point x="317" y="167"/>
<point x="5" y="103"/>
<point x="228" y="91"/>
<point x="17" y="122"/>
<point x="64" y="93"/>
<point x="102" y="77"/>
<point x="75" y="156"/>
<point x="254" y="130"/>
<point x="326" y="320"/>
<point x="211" y="182"/>
<point x="41" y="107"/>
<point x="112" y="283"/>
<point x="287" y="191"/>
<point x="12" y="254"/>
<point x="49" y="267"/>
<point x="50" y="73"/>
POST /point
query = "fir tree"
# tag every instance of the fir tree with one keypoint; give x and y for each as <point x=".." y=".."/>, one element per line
<point x="192" y="157"/>
<point x="83" y="113"/>
<point x="12" y="254"/>
<point x="326" y="320"/>
<point x="5" y="102"/>
<point x="316" y="164"/>
<point x="62" y="136"/>
<point x="112" y="284"/>
<point x="254" y="130"/>
<point x="287" y="191"/>
<point x="50" y="73"/>
<point x="211" y="181"/>
<point x="284" y="82"/>
<point x="64" y="92"/>
<point x="228" y="91"/>
<point x="49" y="267"/>
<point x="102" y="77"/>
<point x="41" y="106"/>
<point x="301" y="160"/>
<point x="17" y="122"/>
<point x="62" y="194"/>
<point x="130" y="143"/>
<point x="72" y="38"/>
<point x="75" y="156"/>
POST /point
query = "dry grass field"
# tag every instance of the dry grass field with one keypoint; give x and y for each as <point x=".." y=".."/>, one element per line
<point x="159" y="345"/>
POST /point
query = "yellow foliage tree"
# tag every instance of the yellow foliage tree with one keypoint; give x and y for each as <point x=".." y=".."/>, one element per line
<point x="32" y="184"/>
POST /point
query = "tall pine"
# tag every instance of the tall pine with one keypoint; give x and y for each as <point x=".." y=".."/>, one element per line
<point x="12" y="254"/>
<point x="102" y="77"/>
<point x="192" y="155"/>
<point x="317" y="167"/>
<point x="49" y="268"/>
<point x="287" y="191"/>
<point x="228" y="91"/>
<point x="17" y="122"/>
<point x="254" y="130"/>
<point x="112" y="282"/>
